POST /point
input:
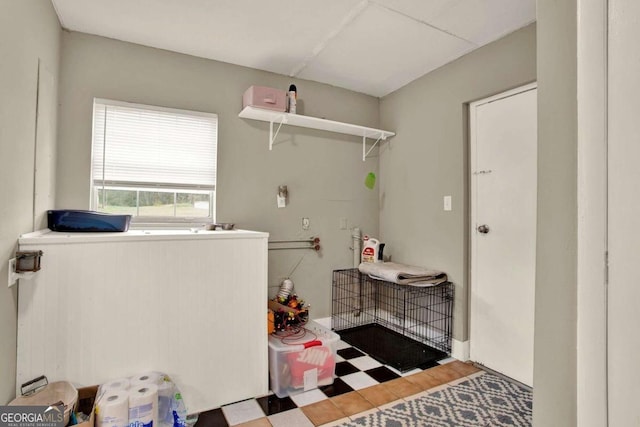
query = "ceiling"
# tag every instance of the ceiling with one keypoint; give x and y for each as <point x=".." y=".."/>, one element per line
<point x="368" y="46"/>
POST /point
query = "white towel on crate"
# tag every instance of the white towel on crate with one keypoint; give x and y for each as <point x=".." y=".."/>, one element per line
<point x="402" y="274"/>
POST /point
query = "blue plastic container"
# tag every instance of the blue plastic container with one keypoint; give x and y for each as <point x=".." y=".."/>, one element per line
<point x="86" y="221"/>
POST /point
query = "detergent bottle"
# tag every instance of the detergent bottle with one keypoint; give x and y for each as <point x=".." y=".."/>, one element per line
<point x="371" y="250"/>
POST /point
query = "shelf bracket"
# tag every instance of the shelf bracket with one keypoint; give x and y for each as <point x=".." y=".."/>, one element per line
<point x="365" y="153"/>
<point x="272" y="136"/>
<point x="12" y="276"/>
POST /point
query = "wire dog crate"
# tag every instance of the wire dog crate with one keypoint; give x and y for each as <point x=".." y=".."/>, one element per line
<point x="400" y="325"/>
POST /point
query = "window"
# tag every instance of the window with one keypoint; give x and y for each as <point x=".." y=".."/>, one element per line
<point x="155" y="163"/>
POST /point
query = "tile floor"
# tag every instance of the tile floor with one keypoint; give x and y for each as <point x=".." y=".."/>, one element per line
<point x="362" y="385"/>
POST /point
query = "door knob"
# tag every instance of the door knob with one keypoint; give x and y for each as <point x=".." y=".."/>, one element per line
<point x="484" y="228"/>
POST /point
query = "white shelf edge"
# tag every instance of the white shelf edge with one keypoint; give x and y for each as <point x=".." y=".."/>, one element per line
<point x="300" y="120"/>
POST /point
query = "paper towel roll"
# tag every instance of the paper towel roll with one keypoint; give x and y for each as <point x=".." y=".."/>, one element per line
<point x="119" y="384"/>
<point x="143" y="406"/>
<point x="147" y="378"/>
<point x="112" y="410"/>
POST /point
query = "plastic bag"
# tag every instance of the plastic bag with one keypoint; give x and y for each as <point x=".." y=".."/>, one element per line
<point x="172" y="411"/>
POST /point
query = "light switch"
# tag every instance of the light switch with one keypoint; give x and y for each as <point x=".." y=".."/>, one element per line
<point x="447" y="203"/>
<point x="305" y="223"/>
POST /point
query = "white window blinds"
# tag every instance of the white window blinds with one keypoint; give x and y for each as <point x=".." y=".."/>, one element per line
<point x="145" y="146"/>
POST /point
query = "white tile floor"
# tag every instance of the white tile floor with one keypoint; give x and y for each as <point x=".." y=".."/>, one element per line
<point x="359" y="380"/>
<point x="294" y="417"/>
<point x="241" y="412"/>
<point x="342" y="345"/>
<point x="365" y="362"/>
<point x="358" y="371"/>
<point x="308" y="397"/>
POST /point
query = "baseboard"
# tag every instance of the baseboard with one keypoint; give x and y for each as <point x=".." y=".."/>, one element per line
<point x="460" y="350"/>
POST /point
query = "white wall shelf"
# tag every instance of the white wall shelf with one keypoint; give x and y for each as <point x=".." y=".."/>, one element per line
<point x="300" y="120"/>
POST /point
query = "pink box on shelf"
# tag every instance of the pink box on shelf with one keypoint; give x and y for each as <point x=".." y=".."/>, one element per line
<point x="265" y="97"/>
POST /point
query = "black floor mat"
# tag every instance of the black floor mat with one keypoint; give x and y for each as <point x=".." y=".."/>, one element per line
<point x="392" y="348"/>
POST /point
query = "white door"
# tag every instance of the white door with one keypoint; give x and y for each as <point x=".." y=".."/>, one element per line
<point x="503" y="231"/>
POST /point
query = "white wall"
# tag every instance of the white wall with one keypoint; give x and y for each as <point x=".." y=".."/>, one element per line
<point x="428" y="158"/>
<point x="623" y="209"/>
<point x="324" y="172"/>
<point x="554" y="383"/>
<point x="29" y="32"/>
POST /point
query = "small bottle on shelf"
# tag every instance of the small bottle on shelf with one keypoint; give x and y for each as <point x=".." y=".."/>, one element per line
<point x="291" y="99"/>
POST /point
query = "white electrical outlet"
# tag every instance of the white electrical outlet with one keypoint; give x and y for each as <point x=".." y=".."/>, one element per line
<point x="343" y="223"/>
<point x="305" y="223"/>
<point x="447" y="203"/>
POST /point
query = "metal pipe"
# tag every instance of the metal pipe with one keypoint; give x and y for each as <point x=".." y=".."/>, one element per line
<point x="315" y="247"/>
<point x="356" y="237"/>
<point x="314" y="240"/>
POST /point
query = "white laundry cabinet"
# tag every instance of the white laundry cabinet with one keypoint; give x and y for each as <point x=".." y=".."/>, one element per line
<point x="110" y="305"/>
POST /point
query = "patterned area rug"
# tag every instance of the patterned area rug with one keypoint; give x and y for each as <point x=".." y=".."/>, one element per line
<point x="485" y="400"/>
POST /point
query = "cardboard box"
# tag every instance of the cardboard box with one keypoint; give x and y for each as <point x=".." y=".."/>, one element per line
<point x="87" y="404"/>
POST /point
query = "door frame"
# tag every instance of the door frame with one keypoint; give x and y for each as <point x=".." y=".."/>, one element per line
<point x="592" y="147"/>
<point x="473" y="191"/>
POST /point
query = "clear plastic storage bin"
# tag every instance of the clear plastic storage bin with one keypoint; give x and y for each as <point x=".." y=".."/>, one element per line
<point x="302" y="361"/>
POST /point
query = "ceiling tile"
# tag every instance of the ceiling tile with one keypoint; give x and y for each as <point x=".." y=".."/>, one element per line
<point x="269" y="35"/>
<point x="479" y="21"/>
<point x="370" y="46"/>
<point x="381" y="51"/>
